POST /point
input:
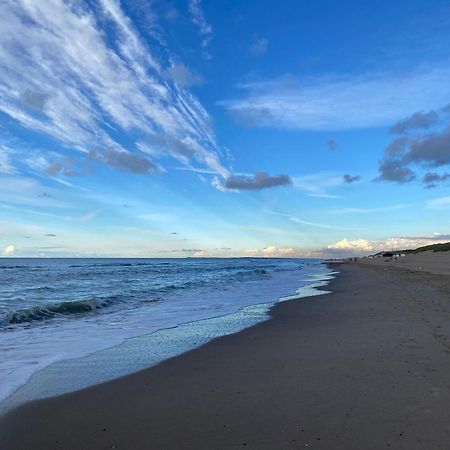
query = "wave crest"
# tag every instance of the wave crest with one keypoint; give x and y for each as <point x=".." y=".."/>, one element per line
<point x="49" y="311"/>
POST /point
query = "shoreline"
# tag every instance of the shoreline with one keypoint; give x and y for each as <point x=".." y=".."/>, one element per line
<point x="363" y="367"/>
<point x="135" y="353"/>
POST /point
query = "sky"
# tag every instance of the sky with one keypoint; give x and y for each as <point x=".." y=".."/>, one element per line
<point x="158" y="128"/>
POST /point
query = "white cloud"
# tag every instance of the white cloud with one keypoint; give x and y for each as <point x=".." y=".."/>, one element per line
<point x="198" y="19"/>
<point x="9" y="250"/>
<point x="271" y="252"/>
<point x="338" y="103"/>
<point x="359" y="245"/>
<point x="90" y="77"/>
<point x="340" y="249"/>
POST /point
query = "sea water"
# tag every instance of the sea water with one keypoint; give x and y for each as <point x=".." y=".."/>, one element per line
<point x="69" y="323"/>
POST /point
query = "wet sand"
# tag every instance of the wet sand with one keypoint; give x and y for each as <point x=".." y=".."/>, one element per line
<point x="366" y="367"/>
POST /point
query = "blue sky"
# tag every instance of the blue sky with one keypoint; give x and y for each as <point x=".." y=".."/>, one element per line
<point x="212" y="128"/>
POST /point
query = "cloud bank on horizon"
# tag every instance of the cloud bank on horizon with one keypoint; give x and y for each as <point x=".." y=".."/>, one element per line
<point x="120" y="121"/>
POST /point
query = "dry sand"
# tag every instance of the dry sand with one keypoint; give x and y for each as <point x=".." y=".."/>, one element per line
<point x="429" y="262"/>
<point x="367" y="367"/>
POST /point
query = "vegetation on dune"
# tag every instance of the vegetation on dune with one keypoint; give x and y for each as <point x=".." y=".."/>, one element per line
<point x="445" y="247"/>
<point x="435" y="248"/>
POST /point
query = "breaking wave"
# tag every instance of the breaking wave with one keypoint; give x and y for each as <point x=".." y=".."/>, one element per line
<point x="57" y="309"/>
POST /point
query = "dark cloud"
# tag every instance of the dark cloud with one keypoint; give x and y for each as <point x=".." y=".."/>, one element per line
<point x="35" y="100"/>
<point x="176" y="147"/>
<point x="253" y="116"/>
<point x="332" y="144"/>
<point x="397" y="147"/>
<point x="66" y="168"/>
<point x="122" y="160"/>
<point x="125" y="161"/>
<point x="432" y="150"/>
<point x="431" y="179"/>
<point x="419" y="120"/>
<point x="351" y="178"/>
<point x="50" y="235"/>
<point x="392" y="170"/>
<point x="407" y="154"/>
<point x="184" y="76"/>
<point x="261" y="180"/>
<point x="54" y="169"/>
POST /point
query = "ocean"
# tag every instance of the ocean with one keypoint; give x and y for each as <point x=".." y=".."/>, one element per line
<point x="69" y="323"/>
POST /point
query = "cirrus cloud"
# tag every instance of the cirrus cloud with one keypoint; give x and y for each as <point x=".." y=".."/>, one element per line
<point x="341" y="103"/>
<point x="94" y="83"/>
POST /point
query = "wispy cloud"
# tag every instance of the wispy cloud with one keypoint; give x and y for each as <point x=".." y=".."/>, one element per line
<point x="305" y="222"/>
<point x="84" y="87"/>
<point x="259" y="46"/>
<point x="441" y="202"/>
<point x="157" y="217"/>
<point x="318" y="184"/>
<point x="340" y="103"/>
<point x="6" y="165"/>
<point x="28" y="191"/>
<point x="86" y="217"/>
<point x="198" y="19"/>
<point x="369" y="210"/>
